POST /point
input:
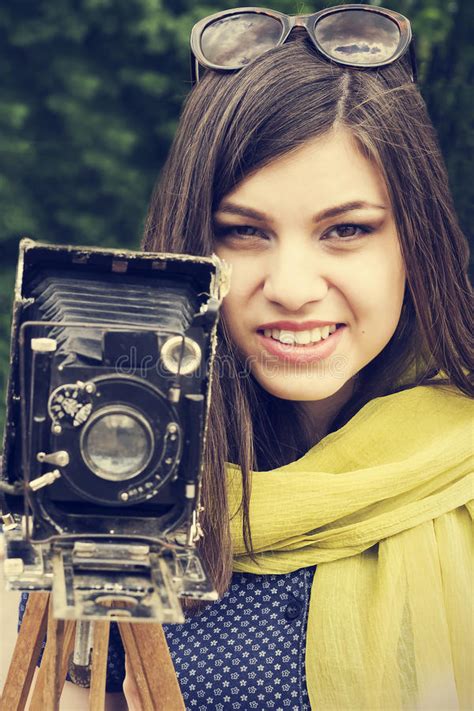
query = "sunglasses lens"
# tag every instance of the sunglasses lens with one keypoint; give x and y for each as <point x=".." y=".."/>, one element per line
<point x="357" y="37"/>
<point x="236" y="40"/>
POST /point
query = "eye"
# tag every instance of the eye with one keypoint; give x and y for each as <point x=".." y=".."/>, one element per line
<point x="347" y="232"/>
<point x="238" y="231"/>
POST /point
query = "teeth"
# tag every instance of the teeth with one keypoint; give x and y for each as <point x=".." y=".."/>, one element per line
<point x="300" y="337"/>
<point x="303" y="337"/>
<point x="288" y="337"/>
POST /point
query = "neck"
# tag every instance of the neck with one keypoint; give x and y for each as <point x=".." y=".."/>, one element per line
<point x="317" y="415"/>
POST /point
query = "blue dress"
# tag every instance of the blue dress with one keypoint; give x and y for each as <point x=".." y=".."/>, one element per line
<point x="246" y="651"/>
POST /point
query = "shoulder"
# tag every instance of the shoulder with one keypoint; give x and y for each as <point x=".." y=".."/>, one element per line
<point x="442" y="405"/>
<point x="420" y="423"/>
<point x="438" y="406"/>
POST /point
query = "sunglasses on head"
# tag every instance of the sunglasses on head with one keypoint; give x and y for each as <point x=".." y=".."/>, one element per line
<point x="360" y="36"/>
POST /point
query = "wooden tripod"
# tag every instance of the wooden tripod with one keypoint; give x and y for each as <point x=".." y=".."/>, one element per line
<point x="145" y="646"/>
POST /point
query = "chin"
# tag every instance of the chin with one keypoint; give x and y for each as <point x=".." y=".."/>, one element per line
<point x="304" y="388"/>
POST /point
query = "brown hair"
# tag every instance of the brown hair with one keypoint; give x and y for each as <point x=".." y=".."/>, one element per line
<point x="234" y="124"/>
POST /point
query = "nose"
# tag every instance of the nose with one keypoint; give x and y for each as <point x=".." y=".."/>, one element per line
<point x="295" y="278"/>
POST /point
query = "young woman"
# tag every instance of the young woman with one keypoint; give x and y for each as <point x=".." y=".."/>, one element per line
<point x="348" y="330"/>
<point x="339" y="537"/>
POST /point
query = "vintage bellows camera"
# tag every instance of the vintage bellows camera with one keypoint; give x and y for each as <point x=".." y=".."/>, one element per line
<point x="111" y="362"/>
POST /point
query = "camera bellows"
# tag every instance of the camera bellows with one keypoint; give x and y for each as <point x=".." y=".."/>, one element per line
<point x="161" y="304"/>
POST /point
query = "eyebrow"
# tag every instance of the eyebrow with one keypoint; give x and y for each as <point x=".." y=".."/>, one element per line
<point x="231" y="208"/>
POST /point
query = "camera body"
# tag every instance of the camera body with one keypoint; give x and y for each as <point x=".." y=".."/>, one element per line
<point x="111" y="362"/>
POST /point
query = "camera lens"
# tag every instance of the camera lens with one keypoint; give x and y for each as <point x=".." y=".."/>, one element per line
<point x="117" y="443"/>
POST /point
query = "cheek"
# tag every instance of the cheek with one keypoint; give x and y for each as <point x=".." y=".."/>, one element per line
<point x="229" y="308"/>
<point x="376" y="291"/>
<point x="393" y="284"/>
<point x="239" y="308"/>
<point x="233" y="313"/>
<point x="246" y="278"/>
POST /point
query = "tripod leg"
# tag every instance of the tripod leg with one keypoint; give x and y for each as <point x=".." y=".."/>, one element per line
<point x="152" y="667"/>
<point x="54" y="665"/>
<point x="26" y="653"/>
<point x="99" y="664"/>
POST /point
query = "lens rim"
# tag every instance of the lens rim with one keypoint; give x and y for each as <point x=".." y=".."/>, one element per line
<point x="177" y="341"/>
<point x="115" y="409"/>
<point x="160" y="411"/>
<point x="403" y="24"/>
<point x="198" y="31"/>
<point x="234" y="13"/>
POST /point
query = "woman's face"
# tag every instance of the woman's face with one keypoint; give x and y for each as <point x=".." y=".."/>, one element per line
<point x="317" y="273"/>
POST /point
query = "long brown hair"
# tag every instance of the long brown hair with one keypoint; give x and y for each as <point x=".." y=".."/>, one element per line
<point x="234" y="124"/>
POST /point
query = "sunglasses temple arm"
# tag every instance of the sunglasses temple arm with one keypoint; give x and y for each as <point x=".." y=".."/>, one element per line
<point x="414" y="65"/>
<point x="194" y="70"/>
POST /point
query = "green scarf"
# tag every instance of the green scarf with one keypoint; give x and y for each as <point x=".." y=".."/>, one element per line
<point x="384" y="508"/>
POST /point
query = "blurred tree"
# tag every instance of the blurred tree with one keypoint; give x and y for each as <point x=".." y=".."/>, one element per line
<point x="89" y="105"/>
<point x="448" y="91"/>
<point x="90" y="95"/>
<point x="89" y="99"/>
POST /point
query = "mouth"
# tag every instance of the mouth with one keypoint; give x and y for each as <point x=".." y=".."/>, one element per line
<point x="302" y="346"/>
<point x="304" y="338"/>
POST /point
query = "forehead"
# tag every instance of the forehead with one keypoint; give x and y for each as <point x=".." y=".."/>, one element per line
<point x="325" y="170"/>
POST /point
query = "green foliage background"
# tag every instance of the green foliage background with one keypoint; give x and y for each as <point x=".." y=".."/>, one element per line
<point x="90" y="93"/>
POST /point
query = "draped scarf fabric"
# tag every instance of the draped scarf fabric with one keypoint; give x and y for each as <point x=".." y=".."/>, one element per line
<point x="384" y="508"/>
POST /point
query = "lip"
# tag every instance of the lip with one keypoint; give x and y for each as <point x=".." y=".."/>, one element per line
<point x="299" y="354"/>
<point x="293" y="326"/>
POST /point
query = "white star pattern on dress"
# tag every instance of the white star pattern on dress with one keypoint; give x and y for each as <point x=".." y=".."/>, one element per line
<point x="250" y="632"/>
